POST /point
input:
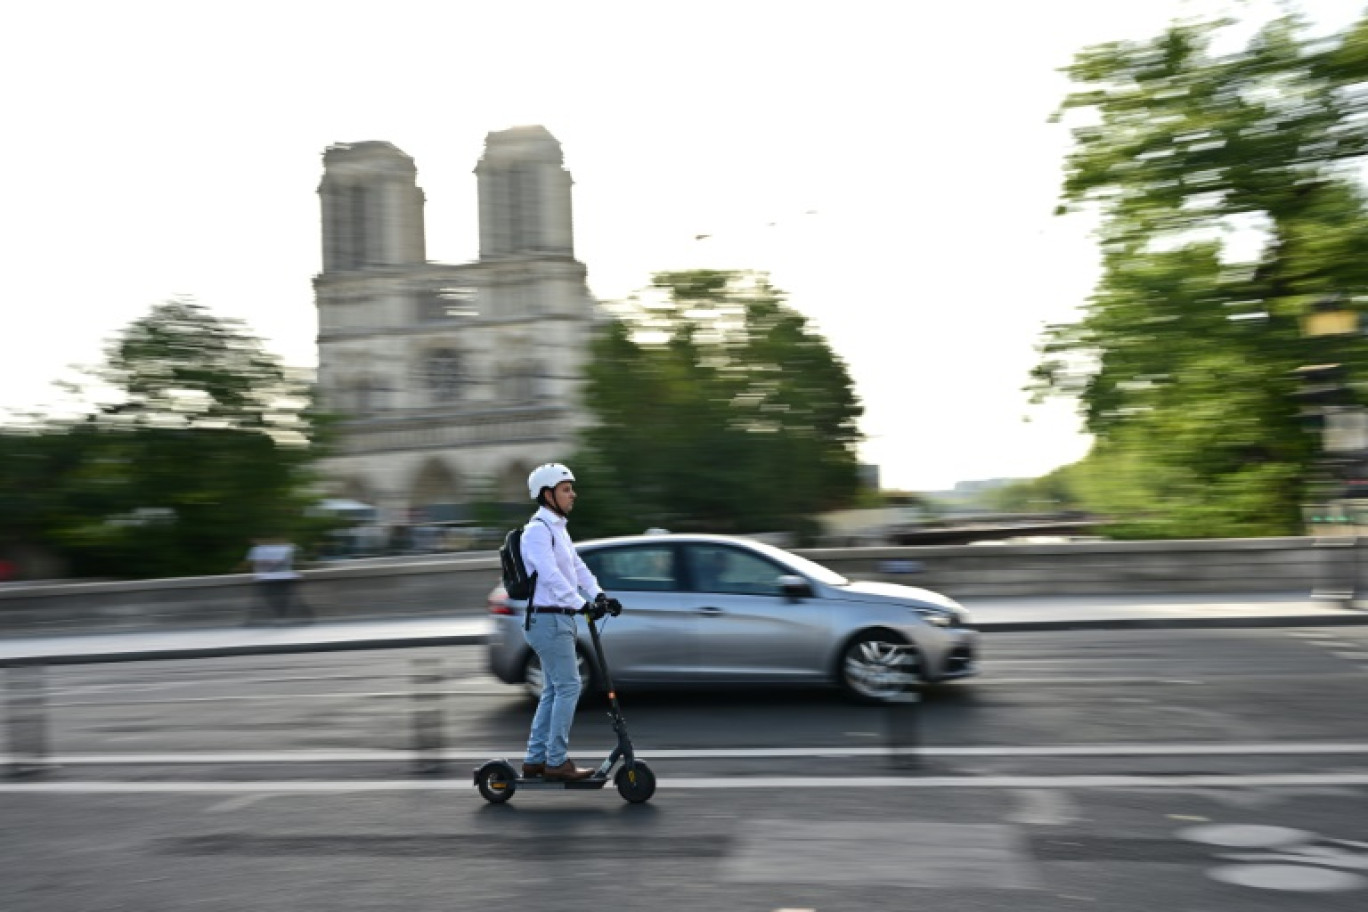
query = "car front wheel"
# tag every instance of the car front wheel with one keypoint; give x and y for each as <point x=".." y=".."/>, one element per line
<point x="878" y="666"/>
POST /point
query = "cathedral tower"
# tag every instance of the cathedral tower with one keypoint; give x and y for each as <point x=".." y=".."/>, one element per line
<point x="524" y="196"/>
<point x="372" y="207"/>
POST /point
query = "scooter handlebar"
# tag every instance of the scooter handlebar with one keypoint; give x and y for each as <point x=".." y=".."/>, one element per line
<point x="601" y="606"/>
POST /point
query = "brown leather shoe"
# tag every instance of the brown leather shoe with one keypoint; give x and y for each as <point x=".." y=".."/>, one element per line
<point x="532" y="770"/>
<point x="567" y="772"/>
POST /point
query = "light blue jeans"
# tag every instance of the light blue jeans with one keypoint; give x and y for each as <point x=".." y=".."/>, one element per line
<point x="553" y="638"/>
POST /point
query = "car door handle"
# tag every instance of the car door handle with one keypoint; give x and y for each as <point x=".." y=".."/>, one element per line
<point x="711" y="610"/>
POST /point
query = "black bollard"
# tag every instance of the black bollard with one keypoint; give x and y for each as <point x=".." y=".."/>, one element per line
<point x="26" y="708"/>
<point x="903" y="722"/>
<point x="1336" y="569"/>
<point x="427" y="716"/>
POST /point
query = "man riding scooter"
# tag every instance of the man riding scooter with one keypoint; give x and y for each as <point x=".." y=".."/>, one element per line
<point x="563" y="583"/>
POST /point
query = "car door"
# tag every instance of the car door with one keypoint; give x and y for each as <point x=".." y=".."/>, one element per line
<point x="746" y="628"/>
<point x="653" y="638"/>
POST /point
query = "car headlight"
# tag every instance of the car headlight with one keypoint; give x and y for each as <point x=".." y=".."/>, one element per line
<point x="936" y="616"/>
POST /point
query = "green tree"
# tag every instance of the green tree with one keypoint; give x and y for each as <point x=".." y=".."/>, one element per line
<point x="1185" y="360"/>
<point x="203" y="442"/>
<point x="715" y="407"/>
<point x="1050" y="493"/>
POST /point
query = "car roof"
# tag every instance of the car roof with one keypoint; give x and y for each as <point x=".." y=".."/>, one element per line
<point x="678" y="537"/>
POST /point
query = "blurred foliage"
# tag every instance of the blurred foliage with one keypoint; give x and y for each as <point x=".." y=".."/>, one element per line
<point x="716" y="408"/>
<point x="206" y="442"/>
<point x="1184" y="360"/>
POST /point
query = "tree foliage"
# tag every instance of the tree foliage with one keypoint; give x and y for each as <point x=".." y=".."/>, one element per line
<point x="181" y="367"/>
<point x="715" y="407"/>
<point x="204" y="441"/>
<point x="1227" y="185"/>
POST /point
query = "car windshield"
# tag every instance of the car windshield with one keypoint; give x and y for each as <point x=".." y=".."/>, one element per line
<point x="810" y="569"/>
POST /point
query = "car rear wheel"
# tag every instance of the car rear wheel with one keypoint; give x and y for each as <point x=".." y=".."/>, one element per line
<point x="534" y="681"/>
<point x="878" y="666"/>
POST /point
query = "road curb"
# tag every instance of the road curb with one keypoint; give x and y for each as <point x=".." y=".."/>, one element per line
<point x="1317" y="620"/>
<point x="417" y="641"/>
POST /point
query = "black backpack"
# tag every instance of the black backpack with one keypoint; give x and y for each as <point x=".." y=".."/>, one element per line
<point x="517" y="582"/>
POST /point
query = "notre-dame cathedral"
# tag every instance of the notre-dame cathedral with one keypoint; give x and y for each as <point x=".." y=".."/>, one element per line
<point x="453" y="381"/>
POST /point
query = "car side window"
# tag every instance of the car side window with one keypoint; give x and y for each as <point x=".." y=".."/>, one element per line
<point x="717" y="568"/>
<point x="643" y="568"/>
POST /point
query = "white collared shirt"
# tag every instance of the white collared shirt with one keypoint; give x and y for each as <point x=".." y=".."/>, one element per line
<point x="272" y="562"/>
<point x="563" y="581"/>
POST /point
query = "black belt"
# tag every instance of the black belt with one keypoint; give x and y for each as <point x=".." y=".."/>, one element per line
<point x="554" y="610"/>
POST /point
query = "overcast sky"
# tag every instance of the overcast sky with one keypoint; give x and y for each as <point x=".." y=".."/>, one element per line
<point x="889" y="163"/>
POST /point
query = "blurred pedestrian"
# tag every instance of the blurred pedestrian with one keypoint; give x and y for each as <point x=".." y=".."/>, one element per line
<point x="276" y="580"/>
<point x="564" y="586"/>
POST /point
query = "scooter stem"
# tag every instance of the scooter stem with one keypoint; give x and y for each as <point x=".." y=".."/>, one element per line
<point x="624" y="746"/>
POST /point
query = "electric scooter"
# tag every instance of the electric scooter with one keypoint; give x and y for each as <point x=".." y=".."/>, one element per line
<point x="498" y="781"/>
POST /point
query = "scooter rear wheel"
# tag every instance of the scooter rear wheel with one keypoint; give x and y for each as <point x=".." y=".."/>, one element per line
<point x="497" y="782"/>
<point x="635" y="782"/>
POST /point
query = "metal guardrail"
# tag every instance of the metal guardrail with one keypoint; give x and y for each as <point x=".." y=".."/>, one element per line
<point x="27" y="711"/>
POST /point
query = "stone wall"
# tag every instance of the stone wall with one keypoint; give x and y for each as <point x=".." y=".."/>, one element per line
<point x="1093" y="568"/>
<point x="362" y="590"/>
<point x="458" y="585"/>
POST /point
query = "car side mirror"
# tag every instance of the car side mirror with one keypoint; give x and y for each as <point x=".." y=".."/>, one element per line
<point x="794" y="587"/>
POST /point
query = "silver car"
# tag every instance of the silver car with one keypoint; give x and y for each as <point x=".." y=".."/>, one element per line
<point x="701" y="609"/>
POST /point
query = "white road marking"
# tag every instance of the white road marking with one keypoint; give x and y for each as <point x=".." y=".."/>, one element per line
<point x="1074" y="661"/>
<point x="112" y="688"/>
<point x="1245" y="836"/>
<point x="1287" y="877"/>
<point x="1275" y="748"/>
<point x="1291" y="859"/>
<point x="1086" y="680"/>
<point x="335" y="695"/>
<point x="1072" y="680"/>
<point x="702" y="783"/>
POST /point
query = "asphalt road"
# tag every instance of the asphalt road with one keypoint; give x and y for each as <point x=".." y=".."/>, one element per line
<point x="1127" y="769"/>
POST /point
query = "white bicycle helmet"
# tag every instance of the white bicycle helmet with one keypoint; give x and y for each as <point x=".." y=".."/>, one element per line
<point x="547" y="476"/>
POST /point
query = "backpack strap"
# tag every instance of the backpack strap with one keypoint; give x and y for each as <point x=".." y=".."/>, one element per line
<point x="531" y="600"/>
<point x="532" y="596"/>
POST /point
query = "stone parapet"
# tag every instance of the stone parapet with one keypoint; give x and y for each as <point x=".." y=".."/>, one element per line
<point x="459" y="584"/>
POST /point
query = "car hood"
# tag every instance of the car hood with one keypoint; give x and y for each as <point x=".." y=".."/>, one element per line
<point x="867" y="591"/>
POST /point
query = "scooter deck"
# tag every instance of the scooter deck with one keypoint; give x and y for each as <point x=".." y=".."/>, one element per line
<point x="593" y="782"/>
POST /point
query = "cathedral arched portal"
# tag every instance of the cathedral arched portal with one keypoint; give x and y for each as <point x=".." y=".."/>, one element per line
<point x="356" y="488"/>
<point x="436" y="495"/>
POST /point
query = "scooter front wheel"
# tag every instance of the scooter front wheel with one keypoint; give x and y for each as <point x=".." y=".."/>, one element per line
<point x="635" y="782"/>
<point x="497" y="781"/>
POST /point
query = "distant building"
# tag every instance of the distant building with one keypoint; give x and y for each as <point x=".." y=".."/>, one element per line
<point x="441" y="372"/>
<point x="970" y="496"/>
<point x="984" y="485"/>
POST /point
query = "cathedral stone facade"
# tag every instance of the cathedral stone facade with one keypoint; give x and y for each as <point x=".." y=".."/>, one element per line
<point x="453" y="381"/>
